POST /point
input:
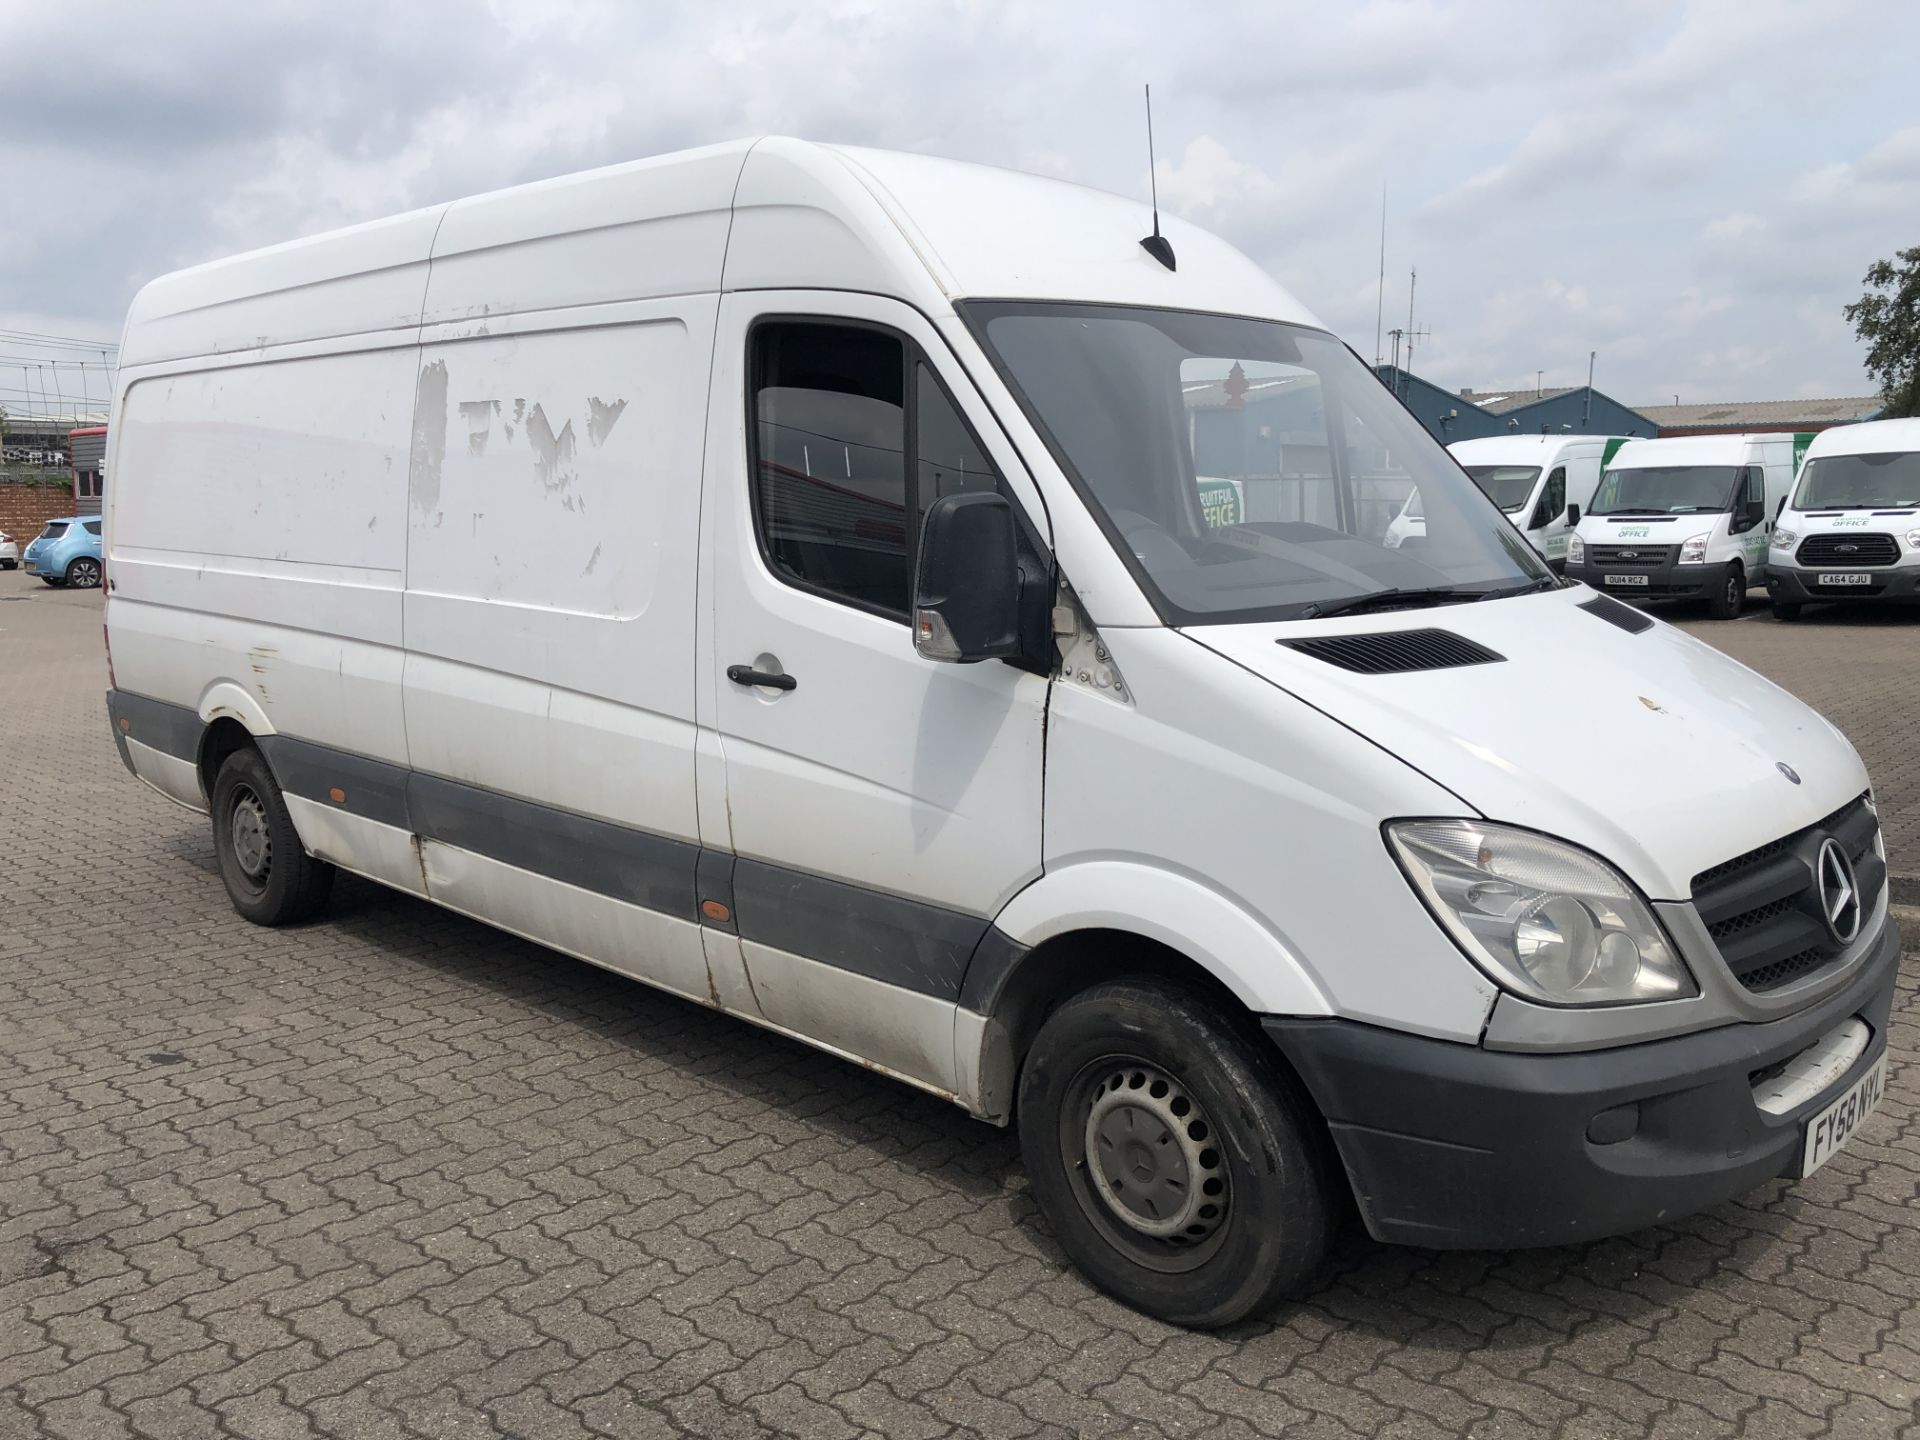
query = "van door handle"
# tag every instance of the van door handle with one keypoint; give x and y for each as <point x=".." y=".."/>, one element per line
<point x="747" y="675"/>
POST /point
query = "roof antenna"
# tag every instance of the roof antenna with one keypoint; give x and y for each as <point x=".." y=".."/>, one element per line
<point x="1155" y="244"/>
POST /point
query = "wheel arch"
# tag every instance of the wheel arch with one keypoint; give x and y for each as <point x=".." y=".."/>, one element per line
<point x="232" y="720"/>
<point x="1084" y="925"/>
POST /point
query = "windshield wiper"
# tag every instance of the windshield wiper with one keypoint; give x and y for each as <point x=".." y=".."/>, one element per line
<point x="1348" y="604"/>
<point x="1421" y="595"/>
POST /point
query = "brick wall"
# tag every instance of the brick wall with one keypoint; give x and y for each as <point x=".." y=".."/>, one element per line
<point x="24" y="509"/>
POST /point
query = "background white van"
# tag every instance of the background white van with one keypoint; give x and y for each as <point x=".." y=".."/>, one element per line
<point x="1852" y="528"/>
<point x="1534" y="478"/>
<point x="1687" y="518"/>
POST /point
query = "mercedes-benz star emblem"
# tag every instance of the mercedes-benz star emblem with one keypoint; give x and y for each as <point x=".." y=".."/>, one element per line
<point x="1787" y="770"/>
<point x="1839" y="892"/>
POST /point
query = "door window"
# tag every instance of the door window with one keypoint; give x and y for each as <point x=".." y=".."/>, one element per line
<point x="830" y="476"/>
<point x="1553" y="500"/>
<point x="854" y="437"/>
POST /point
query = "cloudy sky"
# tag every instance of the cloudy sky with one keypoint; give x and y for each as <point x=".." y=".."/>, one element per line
<point x="1692" y="189"/>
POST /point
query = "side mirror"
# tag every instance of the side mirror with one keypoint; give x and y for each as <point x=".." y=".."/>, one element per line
<point x="1573" y="517"/>
<point x="1756" y="513"/>
<point x="966" y="589"/>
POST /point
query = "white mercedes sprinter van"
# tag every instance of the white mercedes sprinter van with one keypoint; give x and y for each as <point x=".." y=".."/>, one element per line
<point x="1686" y="518"/>
<point x="779" y="574"/>
<point x="1852" y="529"/>
<point x="1535" y="478"/>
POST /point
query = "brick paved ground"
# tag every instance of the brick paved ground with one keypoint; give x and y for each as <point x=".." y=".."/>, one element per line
<point x="396" y="1174"/>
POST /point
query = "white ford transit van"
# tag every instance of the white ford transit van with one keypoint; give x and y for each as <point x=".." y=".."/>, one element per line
<point x="780" y="574"/>
<point x="1535" y="478"/>
<point x="1686" y="518"/>
<point x="1852" y="529"/>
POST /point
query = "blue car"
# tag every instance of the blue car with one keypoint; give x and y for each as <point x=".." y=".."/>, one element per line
<point x="67" y="552"/>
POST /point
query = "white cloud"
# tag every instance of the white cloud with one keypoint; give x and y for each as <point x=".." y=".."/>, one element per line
<point x="1641" y="178"/>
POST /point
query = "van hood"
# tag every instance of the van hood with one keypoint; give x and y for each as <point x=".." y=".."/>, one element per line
<point x="1653" y="750"/>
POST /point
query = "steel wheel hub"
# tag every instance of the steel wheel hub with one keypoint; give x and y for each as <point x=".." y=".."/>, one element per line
<point x="1151" y="1156"/>
<point x="252" y="844"/>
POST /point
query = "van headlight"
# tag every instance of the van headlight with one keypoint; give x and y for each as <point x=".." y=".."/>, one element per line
<point x="1913" y="539"/>
<point x="1576" y="550"/>
<point x="1546" y="920"/>
<point x="1783" y="539"/>
<point x="1694" y="551"/>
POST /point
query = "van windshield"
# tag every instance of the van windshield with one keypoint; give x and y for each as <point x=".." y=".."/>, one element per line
<point x="1666" y="490"/>
<point x="1508" y="486"/>
<point x="1248" y="469"/>
<point x="1860" y="482"/>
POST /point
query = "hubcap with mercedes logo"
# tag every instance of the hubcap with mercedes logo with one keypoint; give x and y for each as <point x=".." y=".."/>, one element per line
<point x="1839" y="892"/>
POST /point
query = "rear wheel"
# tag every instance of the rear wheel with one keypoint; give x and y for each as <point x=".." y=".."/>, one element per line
<point x="84" y="573"/>
<point x="269" y="877"/>
<point x="1179" y="1164"/>
<point x="1786" y="609"/>
<point x="1731" y="598"/>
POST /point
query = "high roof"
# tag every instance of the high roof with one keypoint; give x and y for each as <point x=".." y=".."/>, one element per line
<point x="784" y="214"/>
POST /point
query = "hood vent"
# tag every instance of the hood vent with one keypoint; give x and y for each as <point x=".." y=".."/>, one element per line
<point x="1396" y="652"/>
<point x="1603" y="607"/>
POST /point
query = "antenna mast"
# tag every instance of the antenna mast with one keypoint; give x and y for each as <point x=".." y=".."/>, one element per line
<point x="1155" y="244"/>
<point x="1380" y="296"/>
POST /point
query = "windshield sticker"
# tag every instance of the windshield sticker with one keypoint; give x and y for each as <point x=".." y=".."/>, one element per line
<point x="1220" y="502"/>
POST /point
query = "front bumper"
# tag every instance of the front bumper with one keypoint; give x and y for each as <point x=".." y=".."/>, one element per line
<point x="1667" y="581"/>
<point x="1450" y="1146"/>
<point x="1794" y="583"/>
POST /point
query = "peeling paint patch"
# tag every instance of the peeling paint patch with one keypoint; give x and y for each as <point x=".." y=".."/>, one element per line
<point x="552" y="454"/>
<point x="601" y="418"/>
<point x="479" y="417"/>
<point x="429" y="436"/>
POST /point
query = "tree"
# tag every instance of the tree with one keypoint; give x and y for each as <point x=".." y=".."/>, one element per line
<point x="1887" y="320"/>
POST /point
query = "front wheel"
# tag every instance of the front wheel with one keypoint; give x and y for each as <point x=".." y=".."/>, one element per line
<point x="1731" y="598"/>
<point x="1179" y="1164"/>
<point x="269" y="876"/>
<point x="84" y="573"/>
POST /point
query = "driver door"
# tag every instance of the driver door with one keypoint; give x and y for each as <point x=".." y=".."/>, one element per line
<point x="881" y="807"/>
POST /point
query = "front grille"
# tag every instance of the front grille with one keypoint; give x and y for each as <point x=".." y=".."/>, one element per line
<point x="1848" y="550"/>
<point x="1763" y="908"/>
<point x="1637" y="557"/>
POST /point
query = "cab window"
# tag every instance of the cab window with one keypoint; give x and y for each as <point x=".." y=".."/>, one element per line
<point x="853" y="438"/>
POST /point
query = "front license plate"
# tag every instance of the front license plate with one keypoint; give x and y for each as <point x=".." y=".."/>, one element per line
<point x="1834" y="1126"/>
<point x="1625" y="579"/>
<point x="1844" y="577"/>
<point x="29" y="567"/>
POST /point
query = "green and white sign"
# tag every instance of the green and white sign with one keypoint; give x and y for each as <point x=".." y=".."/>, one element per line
<point x="1221" y="502"/>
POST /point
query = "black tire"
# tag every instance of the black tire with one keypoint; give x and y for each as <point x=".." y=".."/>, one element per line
<point x="1786" y="609"/>
<point x="269" y="877"/>
<point x="84" y="573"/>
<point x="1731" y="598"/>
<point x="1123" y="1060"/>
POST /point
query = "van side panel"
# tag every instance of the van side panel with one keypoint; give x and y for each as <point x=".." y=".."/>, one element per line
<point x="552" y="515"/>
<point x="257" y="541"/>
